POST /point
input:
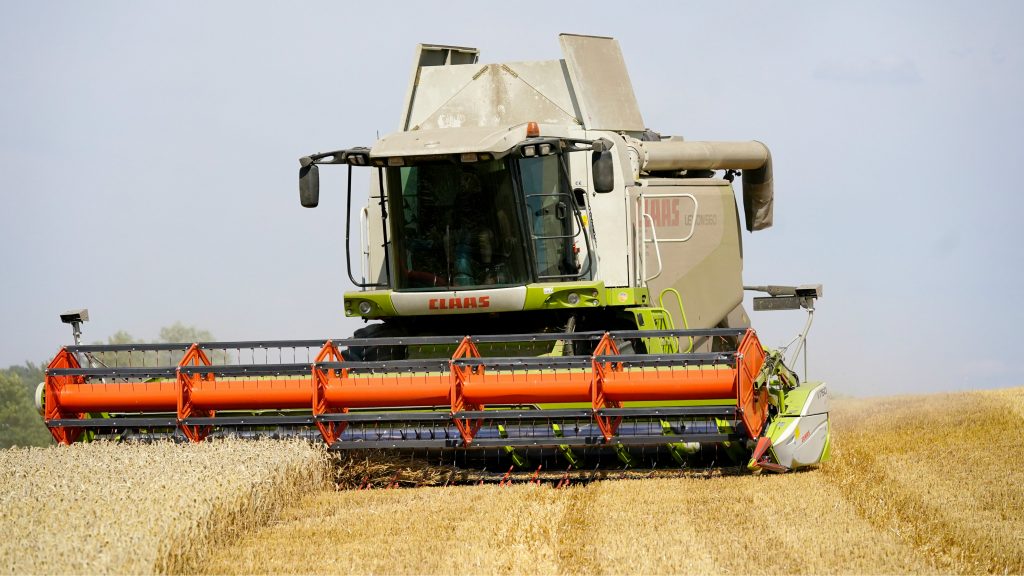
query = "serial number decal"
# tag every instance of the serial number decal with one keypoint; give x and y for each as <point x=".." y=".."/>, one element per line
<point x="703" y="219"/>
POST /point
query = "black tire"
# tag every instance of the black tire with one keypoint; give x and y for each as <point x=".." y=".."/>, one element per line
<point x="377" y="353"/>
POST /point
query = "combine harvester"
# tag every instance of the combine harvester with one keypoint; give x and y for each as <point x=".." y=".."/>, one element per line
<point x="548" y="280"/>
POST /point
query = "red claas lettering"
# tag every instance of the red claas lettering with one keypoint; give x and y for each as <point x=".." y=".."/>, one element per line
<point x="453" y="303"/>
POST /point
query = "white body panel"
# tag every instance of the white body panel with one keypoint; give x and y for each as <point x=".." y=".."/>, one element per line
<point x="374" y="234"/>
<point x="803" y="437"/>
<point x="690" y="237"/>
<point x="611" y="214"/>
<point x="459" y="302"/>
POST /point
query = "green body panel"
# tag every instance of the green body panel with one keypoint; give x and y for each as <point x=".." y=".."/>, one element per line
<point x="379" y="299"/>
<point x="540" y="296"/>
<point x="646" y="404"/>
<point x="649" y="318"/>
<point x="626" y="296"/>
<point x="795" y="399"/>
<point x="790" y="425"/>
<point x="826" y="454"/>
<point x="555" y="295"/>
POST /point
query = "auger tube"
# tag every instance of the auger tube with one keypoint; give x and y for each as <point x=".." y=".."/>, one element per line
<point x="752" y="157"/>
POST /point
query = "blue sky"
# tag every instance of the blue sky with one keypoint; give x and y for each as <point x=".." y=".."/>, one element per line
<point x="148" y="156"/>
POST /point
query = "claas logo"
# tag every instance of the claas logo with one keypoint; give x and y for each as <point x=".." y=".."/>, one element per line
<point x="668" y="213"/>
<point x="457" y="303"/>
<point x="664" y="211"/>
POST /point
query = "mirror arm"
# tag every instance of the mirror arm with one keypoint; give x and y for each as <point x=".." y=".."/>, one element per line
<point x="348" y="235"/>
<point x="348" y="230"/>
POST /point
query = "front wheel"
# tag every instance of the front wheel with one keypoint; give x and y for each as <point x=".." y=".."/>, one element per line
<point x="377" y="353"/>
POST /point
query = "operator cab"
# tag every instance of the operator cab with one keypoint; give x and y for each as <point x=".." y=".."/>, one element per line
<point x="468" y="220"/>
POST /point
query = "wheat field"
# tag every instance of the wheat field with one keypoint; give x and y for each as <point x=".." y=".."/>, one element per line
<point x="105" y="508"/>
<point x="918" y="484"/>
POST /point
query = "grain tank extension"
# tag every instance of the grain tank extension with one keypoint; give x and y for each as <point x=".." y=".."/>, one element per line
<point x="542" y="277"/>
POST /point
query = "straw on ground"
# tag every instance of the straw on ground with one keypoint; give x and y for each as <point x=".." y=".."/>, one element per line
<point x="143" y="508"/>
<point x="918" y="484"/>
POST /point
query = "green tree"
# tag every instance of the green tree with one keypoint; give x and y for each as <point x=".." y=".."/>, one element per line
<point x="30" y="373"/>
<point x="20" y="424"/>
<point x="176" y="333"/>
<point x="121" y="358"/>
<point x="122" y="337"/>
<point x="179" y="332"/>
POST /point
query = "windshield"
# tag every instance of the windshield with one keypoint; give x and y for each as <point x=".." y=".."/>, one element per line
<point x="454" y="225"/>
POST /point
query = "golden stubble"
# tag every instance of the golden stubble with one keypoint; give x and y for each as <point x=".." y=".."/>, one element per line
<point x="720" y="525"/>
<point x="944" y="473"/>
<point x="917" y="484"/>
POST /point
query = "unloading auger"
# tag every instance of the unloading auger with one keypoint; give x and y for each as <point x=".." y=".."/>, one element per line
<point x="526" y="250"/>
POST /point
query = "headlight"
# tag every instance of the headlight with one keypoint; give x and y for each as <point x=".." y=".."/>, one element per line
<point x="573" y="299"/>
<point x="365" y="307"/>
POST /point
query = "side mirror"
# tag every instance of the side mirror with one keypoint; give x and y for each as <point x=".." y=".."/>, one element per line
<point x="604" y="172"/>
<point x="309" y="186"/>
